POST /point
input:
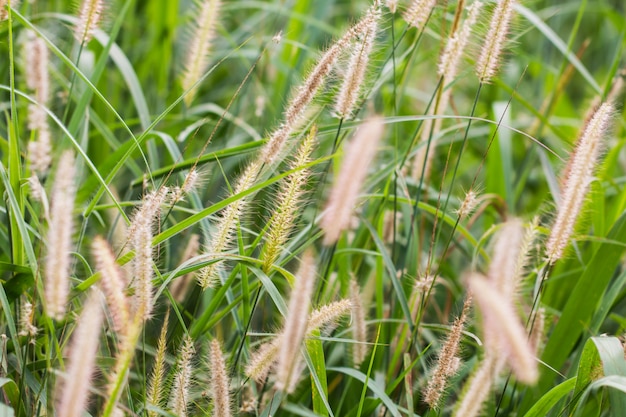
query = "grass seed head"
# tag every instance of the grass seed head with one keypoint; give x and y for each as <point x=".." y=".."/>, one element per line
<point x="219" y="382"/>
<point x="89" y="19"/>
<point x="418" y="12"/>
<point x="493" y="45"/>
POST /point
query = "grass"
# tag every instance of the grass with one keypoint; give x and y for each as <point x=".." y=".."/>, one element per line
<point x="116" y="101"/>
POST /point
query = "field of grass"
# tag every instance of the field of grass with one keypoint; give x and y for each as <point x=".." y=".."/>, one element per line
<point x="312" y="208"/>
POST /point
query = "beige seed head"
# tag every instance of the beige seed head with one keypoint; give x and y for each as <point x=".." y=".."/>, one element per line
<point x="491" y="52"/>
<point x="199" y="49"/>
<point x="219" y="382"/>
<point x="156" y="383"/>
<point x="477" y="389"/>
<point x="418" y="12"/>
<point x="4" y="8"/>
<point x="581" y="168"/>
<point x="503" y="273"/>
<point x="112" y="283"/>
<point x="72" y="387"/>
<point x="179" y="396"/>
<point x="296" y="323"/>
<point x="89" y="18"/>
<point x="59" y="238"/>
<point x="504" y="334"/>
<point x="295" y="110"/>
<point x="359" y="327"/>
<point x="359" y="155"/>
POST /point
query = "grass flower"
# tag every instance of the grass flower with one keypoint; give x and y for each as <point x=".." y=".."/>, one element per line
<point x="418" y="12"/>
<point x="73" y="389"/>
<point x="89" y="19"/>
<point x="4" y="8"/>
<point x="359" y="155"/>
<point x="296" y="322"/>
<point x="179" y="396"/>
<point x="219" y="382"/>
<point x="59" y="237"/>
<point x="359" y="327"/>
<point x="303" y="96"/>
<point x="288" y="202"/>
<point x="199" y="49"/>
<point x="581" y="168"/>
<point x="156" y="383"/>
<point x="491" y="51"/>
<point x="112" y="283"/>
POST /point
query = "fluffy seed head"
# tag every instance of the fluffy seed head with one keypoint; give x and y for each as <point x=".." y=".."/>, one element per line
<point x="59" y="237"/>
<point x="503" y="273"/>
<point x="26" y="326"/>
<point x="89" y="18"/>
<point x="453" y="52"/>
<point x="141" y="242"/>
<point x="288" y="203"/>
<point x="328" y="314"/>
<point x="491" y="52"/>
<point x="468" y="204"/>
<point x="4" y="5"/>
<point x="448" y="361"/>
<point x="227" y="225"/>
<point x="358" y="159"/>
<point x="359" y="327"/>
<point x="112" y="283"/>
<point x="504" y="334"/>
<point x="219" y="382"/>
<point x="156" y="384"/>
<point x="478" y="387"/>
<point x="296" y="322"/>
<point x="357" y="67"/>
<point x="297" y="106"/>
<point x="179" y="396"/>
<point x="581" y="168"/>
<point x="200" y="46"/>
<point x="263" y="359"/>
<point x="419" y="12"/>
<point x="72" y="390"/>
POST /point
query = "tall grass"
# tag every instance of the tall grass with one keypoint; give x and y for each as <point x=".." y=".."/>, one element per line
<point x="343" y="208"/>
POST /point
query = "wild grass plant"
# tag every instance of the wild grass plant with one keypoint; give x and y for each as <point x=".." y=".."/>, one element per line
<point x="336" y="208"/>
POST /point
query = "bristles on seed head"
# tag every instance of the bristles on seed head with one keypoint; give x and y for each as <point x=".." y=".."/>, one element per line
<point x="477" y="389"/>
<point x="72" y="388"/>
<point x="288" y="202"/>
<point x="581" y="168"/>
<point x="418" y="12"/>
<point x="327" y="315"/>
<point x="296" y="322"/>
<point x="59" y="237"/>
<point x="295" y="110"/>
<point x="227" y="225"/>
<point x="112" y="283"/>
<point x="219" y="381"/>
<point x="200" y="46"/>
<point x="4" y="8"/>
<point x="179" y="396"/>
<point x="468" y="204"/>
<point x="89" y="18"/>
<point x="504" y="334"/>
<point x="447" y="361"/>
<point x="491" y="52"/>
<point x="263" y="359"/>
<point x="142" y="224"/>
<point x="359" y="155"/>
<point x="156" y="383"/>
<point x="453" y="52"/>
<point x="357" y="67"/>
<point x="502" y="270"/>
<point x="359" y="327"/>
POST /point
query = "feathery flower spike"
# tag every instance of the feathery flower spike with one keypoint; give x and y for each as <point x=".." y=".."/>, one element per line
<point x="359" y="328"/>
<point x="418" y="12"/>
<point x="59" y="237"/>
<point x="289" y="199"/>
<point x="295" y="110"/>
<point x="502" y="270"/>
<point x="448" y="355"/>
<point x="491" y="52"/>
<point x="89" y="18"/>
<point x="357" y="66"/>
<point x="227" y="225"/>
<point x="219" y="382"/>
<point x="504" y="334"/>
<point x="200" y="46"/>
<point x="581" y="168"/>
<point x="477" y="389"/>
<point x="179" y="396"/>
<point x="73" y="392"/>
<point x="112" y="283"/>
<point x="156" y="383"/>
<point x="359" y="155"/>
<point x="4" y="4"/>
<point x="296" y="323"/>
<point x="141" y="242"/>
